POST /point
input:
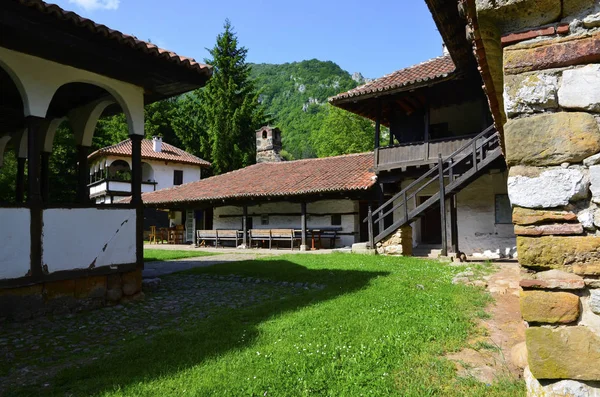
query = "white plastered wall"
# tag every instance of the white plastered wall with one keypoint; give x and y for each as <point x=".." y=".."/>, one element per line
<point x="38" y="80"/>
<point x="78" y="238"/>
<point x="14" y="234"/>
<point x="479" y="234"/>
<point x="326" y="207"/>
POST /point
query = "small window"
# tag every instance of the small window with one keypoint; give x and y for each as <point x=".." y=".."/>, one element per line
<point x="264" y="134"/>
<point x="503" y="209"/>
<point x="264" y="219"/>
<point x="336" y="220"/>
<point x="177" y="177"/>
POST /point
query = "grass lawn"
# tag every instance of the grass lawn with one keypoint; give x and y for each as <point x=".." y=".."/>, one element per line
<point x="379" y="328"/>
<point x="165" y="255"/>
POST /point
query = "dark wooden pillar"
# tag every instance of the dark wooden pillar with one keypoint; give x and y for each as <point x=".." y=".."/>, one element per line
<point x="34" y="197"/>
<point x="83" y="195"/>
<point x="45" y="176"/>
<point x="378" y="125"/>
<point x="381" y="200"/>
<point x="370" y="226"/>
<point x="245" y="226"/>
<point x="454" y="224"/>
<point x="303" y="224"/>
<point x="136" y="195"/>
<point x="20" y="182"/>
<point x="442" y="205"/>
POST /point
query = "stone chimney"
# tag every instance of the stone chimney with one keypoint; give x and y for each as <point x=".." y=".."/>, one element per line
<point x="157" y="144"/>
<point x="268" y="144"/>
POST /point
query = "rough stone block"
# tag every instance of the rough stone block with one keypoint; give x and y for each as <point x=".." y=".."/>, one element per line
<point x="58" y="289"/>
<point x="573" y="7"/>
<point x="23" y="291"/>
<point x="586" y="218"/>
<point x="513" y="15"/>
<point x="549" y="54"/>
<point x="90" y="287"/>
<point x="531" y="187"/>
<point x="113" y="281"/>
<point x="595" y="183"/>
<point x="580" y="88"/>
<point x="114" y="295"/>
<point x="551" y="139"/>
<point x="527" y="216"/>
<point x="571" y="254"/>
<point x="530" y="93"/>
<point x="553" y="279"/>
<point x="591" y="21"/>
<point x="592" y="282"/>
<point x="132" y="282"/>
<point x="549" y="230"/>
<point x="592" y="160"/>
<point x="549" y="307"/>
<point x="595" y="301"/>
<point x="564" y="353"/>
<point x="562" y="388"/>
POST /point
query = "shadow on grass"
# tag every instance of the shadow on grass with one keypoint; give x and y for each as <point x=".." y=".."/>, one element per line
<point x="174" y="350"/>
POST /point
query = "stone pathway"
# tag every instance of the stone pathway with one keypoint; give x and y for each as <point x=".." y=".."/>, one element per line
<point x="32" y="352"/>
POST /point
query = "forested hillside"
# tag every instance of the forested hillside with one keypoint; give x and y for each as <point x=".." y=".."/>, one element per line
<point x="295" y="96"/>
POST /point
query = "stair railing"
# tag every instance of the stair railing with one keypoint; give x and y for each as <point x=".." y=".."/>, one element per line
<point x="470" y="155"/>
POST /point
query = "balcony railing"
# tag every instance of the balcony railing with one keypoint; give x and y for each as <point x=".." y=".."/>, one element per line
<point x="418" y="153"/>
<point x="102" y="186"/>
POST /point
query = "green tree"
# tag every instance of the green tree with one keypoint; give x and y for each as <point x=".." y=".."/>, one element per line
<point x="230" y="111"/>
<point x="343" y="132"/>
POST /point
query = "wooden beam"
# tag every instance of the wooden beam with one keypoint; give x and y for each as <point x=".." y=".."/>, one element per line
<point x="45" y="176"/>
<point x="378" y="125"/>
<point x="303" y="224"/>
<point x="34" y="197"/>
<point x="245" y="226"/>
<point x="442" y="205"/>
<point x="136" y="195"/>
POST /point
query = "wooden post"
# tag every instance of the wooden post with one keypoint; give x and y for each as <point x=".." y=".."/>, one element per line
<point x="370" y="225"/>
<point x="136" y="195"/>
<point x="245" y="226"/>
<point x="426" y="121"/>
<point x="454" y="223"/>
<point x="45" y="177"/>
<point x="378" y="124"/>
<point x="34" y="197"/>
<point x="83" y="195"/>
<point x="381" y="223"/>
<point x="20" y="182"/>
<point x="303" y="246"/>
<point x="442" y="205"/>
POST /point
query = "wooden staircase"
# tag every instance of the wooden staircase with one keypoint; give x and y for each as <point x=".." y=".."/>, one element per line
<point x="450" y="176"/>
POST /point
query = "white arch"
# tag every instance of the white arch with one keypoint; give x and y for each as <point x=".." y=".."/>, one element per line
<point x="110" y="160"/>
<point x="20" y="145"/>
<point x="15" y="79"/>
<point x="50" y="132"/>
<point x="84" y="119"/>
<point x="38" y="80"/>
<point x="3" y="141"/>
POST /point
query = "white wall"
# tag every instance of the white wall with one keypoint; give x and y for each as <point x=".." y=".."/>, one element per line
<point x="74" y="238"/>
<point x="462" y="119"/>
<point x="16" y="242"/>
<point x="479" y="235"/>
<point x="326" y="207"/>
<point x="163" y="173"/>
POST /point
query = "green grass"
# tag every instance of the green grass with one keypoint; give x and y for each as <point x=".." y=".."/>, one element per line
<point x="151" y="255"/>
<point x="372" y="331"/>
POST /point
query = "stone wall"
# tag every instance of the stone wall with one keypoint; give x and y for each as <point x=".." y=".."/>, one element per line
<point x="56" y="297"/>
<point x="551" y="100"/>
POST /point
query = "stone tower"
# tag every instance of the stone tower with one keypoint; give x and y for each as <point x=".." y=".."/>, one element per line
<point x="268" y="144"/>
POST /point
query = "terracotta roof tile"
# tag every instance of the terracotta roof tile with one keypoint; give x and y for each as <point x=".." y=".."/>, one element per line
<point x="167" y="153"/>
<point x="350" y="172"/>
<point x="122" y="38"/>
<point x="432" y="69"/>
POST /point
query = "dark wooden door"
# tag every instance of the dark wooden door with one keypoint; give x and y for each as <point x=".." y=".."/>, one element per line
<point x="431" y="224"/>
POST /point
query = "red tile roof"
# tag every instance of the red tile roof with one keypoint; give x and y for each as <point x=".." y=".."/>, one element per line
<point x="352" y="172"/>
<point x="123" y="39"/>
<point x="433" y="69"/>
<point x="167" y="153"/>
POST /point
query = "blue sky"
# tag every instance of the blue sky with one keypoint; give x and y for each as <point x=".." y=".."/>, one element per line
<point x="373" y="37"/>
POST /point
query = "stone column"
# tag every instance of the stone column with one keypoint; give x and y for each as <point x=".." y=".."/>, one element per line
<point x="399" y="243"/>
<point x="551" y="95"/>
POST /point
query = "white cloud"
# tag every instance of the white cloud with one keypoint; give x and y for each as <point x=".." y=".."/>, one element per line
<point x="91" y="5"/>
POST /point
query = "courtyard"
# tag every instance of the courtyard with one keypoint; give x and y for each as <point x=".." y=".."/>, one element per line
<point x="301" y="324"/>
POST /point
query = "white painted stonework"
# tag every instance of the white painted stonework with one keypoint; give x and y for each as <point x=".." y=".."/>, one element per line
<point x="552" y="188"/>
<point x="580" y="88"/>
<point x="478" y="233"/>
<point x="324" y="208"/>
<point x="14" y="234"/>
<point x="78" y="238"/>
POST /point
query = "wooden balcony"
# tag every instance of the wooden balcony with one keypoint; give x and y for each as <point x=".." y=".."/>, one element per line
<point x="417" y="153"/>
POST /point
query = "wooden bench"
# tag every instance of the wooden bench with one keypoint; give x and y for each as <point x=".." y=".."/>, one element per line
<point x="217" y="235"/>
<point x="273" y="235"/>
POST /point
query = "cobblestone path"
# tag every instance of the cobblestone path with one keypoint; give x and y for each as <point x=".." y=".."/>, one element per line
<point x="32" y="352"/>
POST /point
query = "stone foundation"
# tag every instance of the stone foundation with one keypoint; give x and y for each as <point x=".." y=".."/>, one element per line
<point x="399" y="243"/>
<point x="551" y="98"/>
<point x="56" y="297"/>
